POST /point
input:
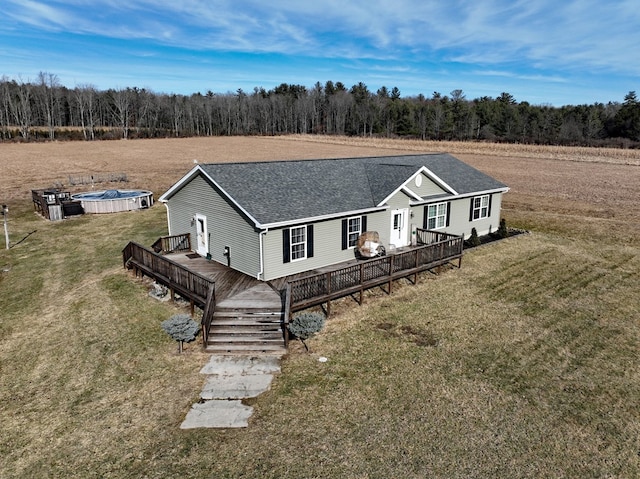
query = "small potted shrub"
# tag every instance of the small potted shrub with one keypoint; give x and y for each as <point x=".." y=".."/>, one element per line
<point x="181" y="328"/>
<point x="305" y="325"/>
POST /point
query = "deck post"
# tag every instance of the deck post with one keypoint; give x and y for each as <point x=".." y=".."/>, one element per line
<point x="361" y="283"/>
<point x="390" y="287"/>
<point x="287" y="315"/>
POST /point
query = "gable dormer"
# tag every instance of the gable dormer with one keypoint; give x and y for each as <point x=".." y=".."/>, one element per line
<point x="421" y="185"/>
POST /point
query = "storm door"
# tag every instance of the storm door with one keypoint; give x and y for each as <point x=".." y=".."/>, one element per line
<point x="399" y="228"/>
<point x="202" y="235"/>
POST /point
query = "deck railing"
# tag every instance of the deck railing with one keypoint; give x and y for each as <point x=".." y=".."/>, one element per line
<point x="174" y="276"/>
<point x="323" y="287"/>
<point x="429" y="236"/>
<point x="172" y="244"/>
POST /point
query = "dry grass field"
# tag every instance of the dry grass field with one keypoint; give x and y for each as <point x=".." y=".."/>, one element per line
<point x="524" y="363"/>
<point x="582" y="183"/>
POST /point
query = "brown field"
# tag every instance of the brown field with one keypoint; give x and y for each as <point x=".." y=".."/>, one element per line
<point x="597" y="187"/>
<point x="524" y="363"/>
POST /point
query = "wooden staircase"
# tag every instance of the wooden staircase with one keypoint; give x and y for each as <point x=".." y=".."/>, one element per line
<point x="248" y="323"/>
<point x="245" y="331"/>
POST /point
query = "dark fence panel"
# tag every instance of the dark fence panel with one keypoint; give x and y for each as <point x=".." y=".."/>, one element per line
<point x="437" y="249"/>
<point x="187" y="283"/>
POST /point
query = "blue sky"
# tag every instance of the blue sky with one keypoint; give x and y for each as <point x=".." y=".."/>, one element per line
<point x="560" y="52"/>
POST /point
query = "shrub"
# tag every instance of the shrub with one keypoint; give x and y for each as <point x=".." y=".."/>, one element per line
<point x="305" y="325"/>
<point x="474" y="240"/>
<point x="181" y="328"/>
<point x="503" y="232"/>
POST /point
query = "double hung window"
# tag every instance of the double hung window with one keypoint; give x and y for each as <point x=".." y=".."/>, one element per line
<point x="298" y="243"/>
<point x="354" y="226"/>
<point x="437" y="216"/>
<point x="480" y="207"/>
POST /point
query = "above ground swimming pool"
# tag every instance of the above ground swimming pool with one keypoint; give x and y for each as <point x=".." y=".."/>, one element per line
<point x="114" y="201"/>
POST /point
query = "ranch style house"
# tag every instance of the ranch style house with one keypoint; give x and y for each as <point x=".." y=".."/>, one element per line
<point x="274" y="219"/>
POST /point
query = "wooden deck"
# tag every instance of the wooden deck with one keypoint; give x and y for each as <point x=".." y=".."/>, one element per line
<point x="244" y="314"/>
<point x="280" y="284"/>
<point x="233" y="289"/>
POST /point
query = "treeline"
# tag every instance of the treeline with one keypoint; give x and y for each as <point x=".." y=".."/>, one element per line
<point x="46" y="110"/>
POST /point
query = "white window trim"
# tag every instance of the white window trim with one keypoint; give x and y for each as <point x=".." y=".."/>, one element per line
<point x="349" y="232"/>
<point x="480" y="208"/>
<point x="292" y="244"/>
<point x="444" y="216"/>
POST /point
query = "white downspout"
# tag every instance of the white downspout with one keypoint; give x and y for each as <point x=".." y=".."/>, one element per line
<point x="261" y="272"/>
<point x="166" y="205"/>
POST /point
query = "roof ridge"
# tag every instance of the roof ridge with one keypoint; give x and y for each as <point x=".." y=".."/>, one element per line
<point x="300" y="160"/>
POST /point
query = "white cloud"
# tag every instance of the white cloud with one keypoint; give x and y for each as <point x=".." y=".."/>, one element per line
<point x="513" y="40"/>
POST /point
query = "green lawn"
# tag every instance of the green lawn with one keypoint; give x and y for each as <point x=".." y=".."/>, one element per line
<point x="524" y="363"/>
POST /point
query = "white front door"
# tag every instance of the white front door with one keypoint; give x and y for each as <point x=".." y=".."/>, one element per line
<point x="399" y="228"/>
<point x="202" y="235"/>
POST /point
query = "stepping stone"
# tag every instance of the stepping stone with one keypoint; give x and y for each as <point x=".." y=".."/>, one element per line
<point x="236" y="387"/>
<point x="230" y="379"/>
<point x="241" y="365"/>
<point x="217" y="414"/>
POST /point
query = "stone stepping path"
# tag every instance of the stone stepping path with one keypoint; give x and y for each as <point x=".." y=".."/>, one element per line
<point x="229" y="380"/>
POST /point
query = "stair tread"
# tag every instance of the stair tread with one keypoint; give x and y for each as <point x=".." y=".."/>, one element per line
<point x="230" y="312"/>
<point x="217" y="338"/>
<point x="232" y="322"/>
<point x="248" y="353"/>
<point x="235" y="327"/>
<point x="242" y="347"/>
<point x="246" y="330"/>
<point x="250" y="334"/>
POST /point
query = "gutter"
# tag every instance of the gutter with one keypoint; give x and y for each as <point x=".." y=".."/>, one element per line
<point x="458" y="197"/>
<point x="260" y="274"/>
<point x="315" y="219"/>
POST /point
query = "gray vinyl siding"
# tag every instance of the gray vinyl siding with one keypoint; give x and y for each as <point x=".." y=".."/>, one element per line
<point x="328" y="234"/>
<point x="226" y="227"/>
<point x="427" y="188"/>
<point x="485" y="225"/>
<point x="399" y="200"/>
<point x="380" y="222"/>
<point x="458" y="218"/>
<point x="327" y="247"/>
<point x="459" y="223"/>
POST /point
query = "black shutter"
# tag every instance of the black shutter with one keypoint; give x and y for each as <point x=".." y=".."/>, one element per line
<point x="286" y="245"/>
<point x="345" y="236"/>
<point x="310" y="241"/>
<point x="448" y="213"/>
<point x="489" y="211"/>
<point x="471" y="210"/>
<point x="363" y="224"/>
<point x="425" y="218"/>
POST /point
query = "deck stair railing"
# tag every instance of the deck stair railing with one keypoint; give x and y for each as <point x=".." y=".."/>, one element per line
<point x="177" y="278"/>
<point x="198" y="289"/>
<point x="207" y="313"/>
<point x="172" y="244"/>
<point x="435" y="249"/>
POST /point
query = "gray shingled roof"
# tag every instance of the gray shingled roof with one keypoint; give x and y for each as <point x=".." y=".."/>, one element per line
<point x="282" y="191"/>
